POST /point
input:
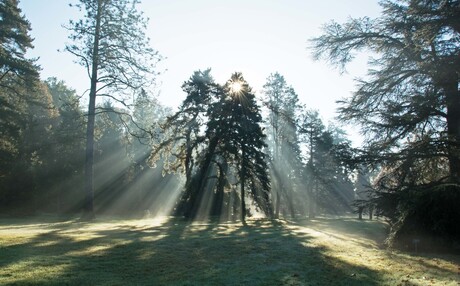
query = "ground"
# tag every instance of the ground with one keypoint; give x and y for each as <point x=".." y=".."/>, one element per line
<point x="326" y="251"/>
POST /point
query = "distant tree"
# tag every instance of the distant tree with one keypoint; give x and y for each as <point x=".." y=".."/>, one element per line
<point x="25" y="147"/>
<point x="283" y="107"/>
<point x="110" y="42"/>
<point x="311" y="130"/>
<point x="65" y="171"/>
<point x="408" y="105"/>
<point x="145" y="134"/>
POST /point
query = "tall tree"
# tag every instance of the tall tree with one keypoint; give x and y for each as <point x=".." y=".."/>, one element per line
<point x="15" y="73"/>
<point x="15" y="69"/>
<point x="24" y="105"/>
<point x="233" y="146"/>
<point x="413" y="86"/>
<point x="110" y="42"/>
<point x="240" y="132"/>
<point x="311" y="130"/>
<point x="283" y="106"/>
<point x="408" y="105"/>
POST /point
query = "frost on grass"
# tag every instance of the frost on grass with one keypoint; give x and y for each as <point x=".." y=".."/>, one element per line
<point x="146" y="252"/>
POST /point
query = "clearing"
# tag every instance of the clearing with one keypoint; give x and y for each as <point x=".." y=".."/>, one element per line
<point x="326" y="251"/>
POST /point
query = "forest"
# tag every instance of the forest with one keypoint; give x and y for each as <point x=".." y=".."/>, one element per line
<point x="229" y="154"/>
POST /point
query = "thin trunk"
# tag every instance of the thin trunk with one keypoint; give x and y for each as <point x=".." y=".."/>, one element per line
<point x="278" y="204"/>
<point x="188" y="158"/>
<point x="290" y="201"/>
<point x="243" y="170"/>
<point x="311" y="203"/>
<point x="276" y="157"/>
<point x="89" y="158"/>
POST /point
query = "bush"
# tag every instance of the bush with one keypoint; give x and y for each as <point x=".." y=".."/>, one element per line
<point x="427" y="219"/>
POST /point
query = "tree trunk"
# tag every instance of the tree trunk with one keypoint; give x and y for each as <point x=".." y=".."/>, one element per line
<point x="311" y="205"/>
<point x="89" y="158"/>
<point x="218" y="201"/>
<point x="278" y="204"/>
<point x="290" y="201"/>
<point x="453" y="124"/>
<point x="242" y="179"/>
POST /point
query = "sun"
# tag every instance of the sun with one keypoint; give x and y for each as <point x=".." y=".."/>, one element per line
<point x="236" y="87"/>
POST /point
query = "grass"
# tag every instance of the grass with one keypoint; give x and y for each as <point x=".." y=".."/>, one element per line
<point x="173" y="252"/>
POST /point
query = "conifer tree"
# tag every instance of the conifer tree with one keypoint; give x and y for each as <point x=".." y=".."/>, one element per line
<point x="110" y="43"/>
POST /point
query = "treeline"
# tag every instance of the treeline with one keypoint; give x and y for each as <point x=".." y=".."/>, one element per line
<point x="43" y="152"/>
<point x="224" y="153"/>
<point x="238" y="162"/>
<point x="188" y="163"/>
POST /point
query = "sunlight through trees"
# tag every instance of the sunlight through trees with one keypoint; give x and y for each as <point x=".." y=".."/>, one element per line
<point x="230" y="152"/>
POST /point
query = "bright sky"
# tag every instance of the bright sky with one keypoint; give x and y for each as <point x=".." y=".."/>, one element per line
<point x="255" y="37"/>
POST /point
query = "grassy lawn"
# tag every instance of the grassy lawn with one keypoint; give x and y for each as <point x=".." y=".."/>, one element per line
<point x="172" y="252"/>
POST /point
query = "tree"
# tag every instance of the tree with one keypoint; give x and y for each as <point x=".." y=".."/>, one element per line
<point x="283" y="107"/>
<point x="182" y="131"/>
<point x="25" y="147"/>
<point x="15" y="72"/>
<point x="110" y="43"/>
<point x="147" y="185"/>
<point x="24" y="109"/>
<point x="409" y="104"/>
<point x="15" y="69"/>
<point x="65" y="171"/>
<point x="232" y="147"/>
<point x="311" y="129"/>
<point x="413" y="89"/>
<point x="236" y="122"/>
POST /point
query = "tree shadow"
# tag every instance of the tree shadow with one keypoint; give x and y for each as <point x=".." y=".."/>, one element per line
<point x="263" y="252"/>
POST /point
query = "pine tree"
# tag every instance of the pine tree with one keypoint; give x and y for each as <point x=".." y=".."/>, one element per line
<point x="110" y="43"/>
<point x="237" y="123"/>
<point x="15" y="69"/>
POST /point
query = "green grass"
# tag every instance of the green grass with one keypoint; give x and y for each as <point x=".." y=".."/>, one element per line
<point x="173" y="252"/>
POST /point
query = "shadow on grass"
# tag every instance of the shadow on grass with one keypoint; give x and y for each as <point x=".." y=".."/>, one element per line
<point x="175" y="253"/>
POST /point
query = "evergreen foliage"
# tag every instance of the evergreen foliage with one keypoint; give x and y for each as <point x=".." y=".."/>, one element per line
<point x="409" y="104"/>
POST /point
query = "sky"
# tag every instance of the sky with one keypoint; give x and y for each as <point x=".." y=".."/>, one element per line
<point x="255" y="37"/>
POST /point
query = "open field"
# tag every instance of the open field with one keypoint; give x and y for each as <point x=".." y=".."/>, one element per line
<point x="173" y="252"/>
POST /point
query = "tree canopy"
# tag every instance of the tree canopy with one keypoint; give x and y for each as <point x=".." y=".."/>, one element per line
<point x="408" y="105"/>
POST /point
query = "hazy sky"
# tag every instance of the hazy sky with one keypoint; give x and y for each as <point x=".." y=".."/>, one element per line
<point x="255" y="37"/>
